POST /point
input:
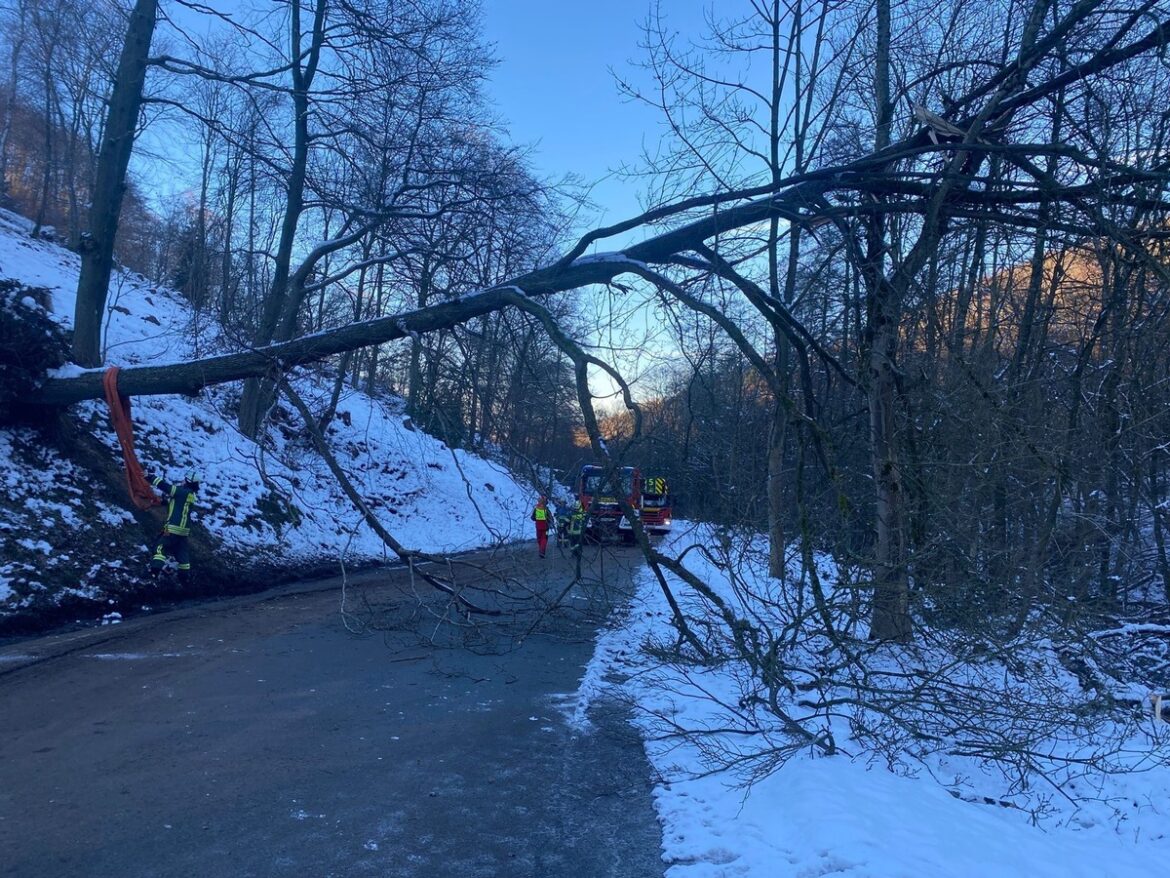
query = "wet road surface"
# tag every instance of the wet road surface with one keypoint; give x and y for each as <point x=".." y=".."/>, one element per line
<point x="273" y="735"/>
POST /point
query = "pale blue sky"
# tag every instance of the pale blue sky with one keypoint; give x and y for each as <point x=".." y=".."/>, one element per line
<point x="554" y="88"/>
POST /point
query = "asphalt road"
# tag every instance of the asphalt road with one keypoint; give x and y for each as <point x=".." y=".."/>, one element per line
<point x="274" y="735"/>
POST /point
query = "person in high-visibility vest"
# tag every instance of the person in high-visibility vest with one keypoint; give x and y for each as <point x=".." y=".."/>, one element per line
<point x="172" y="542"/>
<point x="542" y="517"/>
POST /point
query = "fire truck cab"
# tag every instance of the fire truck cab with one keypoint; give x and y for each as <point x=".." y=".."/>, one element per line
<point x="656" y="512"/>
<point x="600" y="498"/>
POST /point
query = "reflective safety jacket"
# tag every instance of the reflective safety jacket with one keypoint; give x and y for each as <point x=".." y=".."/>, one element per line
<point x="577" y="520"/>
<point x="540" y="513"/>
<point x="180" y="499"/>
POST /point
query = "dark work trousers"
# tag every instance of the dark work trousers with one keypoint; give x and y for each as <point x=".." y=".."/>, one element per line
<point x="172" y="546"/>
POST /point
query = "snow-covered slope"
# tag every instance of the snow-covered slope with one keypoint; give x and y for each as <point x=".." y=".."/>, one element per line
<point x="269" y="505"/>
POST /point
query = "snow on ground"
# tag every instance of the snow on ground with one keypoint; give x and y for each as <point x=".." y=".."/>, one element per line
<point x="853" y="816"/>
<point x="275" y="502"/>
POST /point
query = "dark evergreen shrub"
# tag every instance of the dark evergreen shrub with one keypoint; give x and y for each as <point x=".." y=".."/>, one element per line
<point x="31" y="343"/>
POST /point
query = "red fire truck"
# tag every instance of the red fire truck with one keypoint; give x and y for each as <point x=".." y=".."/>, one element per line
<point x="656" y="506"/>
<point x="600" y="498"/>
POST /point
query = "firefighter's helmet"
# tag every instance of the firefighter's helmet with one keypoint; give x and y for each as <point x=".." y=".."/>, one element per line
<point x="192" y="477"/>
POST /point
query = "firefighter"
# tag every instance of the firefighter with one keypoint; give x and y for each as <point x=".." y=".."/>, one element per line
<point x="172" y="542"/>
<point x="561" y="524"/>
<point x="542" y="517"/>
<point x="577" y="528"/>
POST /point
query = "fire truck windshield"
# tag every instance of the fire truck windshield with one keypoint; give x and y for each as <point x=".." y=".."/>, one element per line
<point x="593" y="483"/>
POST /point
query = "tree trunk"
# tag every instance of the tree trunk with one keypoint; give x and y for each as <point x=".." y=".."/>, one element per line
<point x="47" y="156"/>
<point x="97" y="256"/>
<point x="372" y="365"/>
<point x="259" y="393"/>
<point x="1156" y="505"/>
<point x="891" y="600"/>
<point x="414" y="386"/>
<point x="227" y="281"/>
<point x="776" y="538"/>
<point x="890" y="619"/>
<point x="335" y="397"/>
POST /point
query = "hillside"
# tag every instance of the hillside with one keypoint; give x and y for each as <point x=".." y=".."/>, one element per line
<point x="72" y="545"/>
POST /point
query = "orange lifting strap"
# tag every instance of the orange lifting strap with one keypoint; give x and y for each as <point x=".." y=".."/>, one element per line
<point x="141" y="492"/>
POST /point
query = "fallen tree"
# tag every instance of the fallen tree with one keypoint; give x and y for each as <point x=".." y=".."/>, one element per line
<point x="569" y="273"/>
<point x="798" y="200"/>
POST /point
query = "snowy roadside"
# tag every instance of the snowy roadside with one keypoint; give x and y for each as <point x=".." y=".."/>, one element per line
<point x="70" y="538"/>
<point x="854" y="815"/>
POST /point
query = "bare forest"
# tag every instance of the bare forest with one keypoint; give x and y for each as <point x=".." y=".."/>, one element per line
<point x="900" y="297"/>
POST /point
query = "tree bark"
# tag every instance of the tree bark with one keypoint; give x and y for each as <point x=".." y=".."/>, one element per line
<point x="890" y="619"/>
<point x="891" y="600"/>
<point x="97" y="256"/>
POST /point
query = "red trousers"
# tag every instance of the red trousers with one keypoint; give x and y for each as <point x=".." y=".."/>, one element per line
<point x="541" y="537"/>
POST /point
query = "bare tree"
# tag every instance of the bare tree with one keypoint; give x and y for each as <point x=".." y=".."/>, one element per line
<point x="97" y="252"/>
<point x="747" y="130"/>
<point x="420" y="62"/>
<point x="16" y="20"/>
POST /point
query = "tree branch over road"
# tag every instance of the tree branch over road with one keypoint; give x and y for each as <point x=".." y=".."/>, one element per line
<point x="190" y="377"/>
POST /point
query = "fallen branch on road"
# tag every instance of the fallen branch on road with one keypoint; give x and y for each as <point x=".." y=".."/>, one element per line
<point x="412" y="557"/>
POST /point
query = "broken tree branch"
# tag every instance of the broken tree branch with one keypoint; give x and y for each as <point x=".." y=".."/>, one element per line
<point x="410" y="556"/>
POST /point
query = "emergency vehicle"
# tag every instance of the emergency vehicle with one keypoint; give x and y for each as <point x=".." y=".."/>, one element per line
<point x="600" y="499"/>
